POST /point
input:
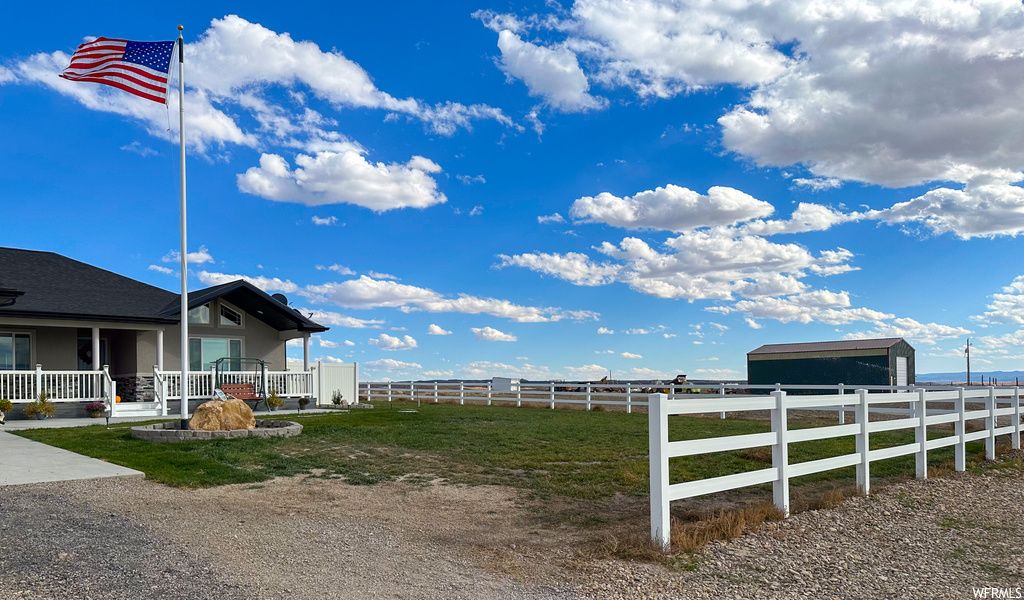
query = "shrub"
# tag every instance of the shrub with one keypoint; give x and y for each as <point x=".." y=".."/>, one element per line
<point x="41" y="406"/>
<point x="303" y="403"/>
<point x="336" y="398"/>
<point x="274" y="401"/>
<point x="5" y="405"/>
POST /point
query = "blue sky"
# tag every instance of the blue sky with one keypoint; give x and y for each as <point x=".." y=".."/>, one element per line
<point x="552" y="190"/>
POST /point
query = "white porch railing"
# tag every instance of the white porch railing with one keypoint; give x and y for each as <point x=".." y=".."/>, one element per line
<point x="201" y="384"/>
<point x="60" y="386"/>
<point x="953" y="411"/>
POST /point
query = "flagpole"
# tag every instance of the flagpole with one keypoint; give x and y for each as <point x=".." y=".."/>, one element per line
<point x="184" y="245"/>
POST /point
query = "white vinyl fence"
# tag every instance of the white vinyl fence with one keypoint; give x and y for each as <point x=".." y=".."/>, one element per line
<point x="341" y="378"/>
<point x="590" y="394"/>
<point x="953" y="410"/>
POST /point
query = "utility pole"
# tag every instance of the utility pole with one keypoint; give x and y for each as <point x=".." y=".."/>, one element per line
<point x="967" y="353"/>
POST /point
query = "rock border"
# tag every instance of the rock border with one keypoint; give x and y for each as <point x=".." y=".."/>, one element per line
<point x="171" y="432"/>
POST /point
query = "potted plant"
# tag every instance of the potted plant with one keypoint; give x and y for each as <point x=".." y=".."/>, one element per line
<point x="336" y="398"/>
<point x="41" y="407"/>
<point x="95" y="409"/>
<point x="6" y="405"/>
<point x="274" y="401"/>
<point x="303" y="403"/>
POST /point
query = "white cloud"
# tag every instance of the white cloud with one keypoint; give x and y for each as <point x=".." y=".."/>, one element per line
<point x="604" y="352"/>
<point x="378" y="275"/>
<point x="137" y="148"/>
<point x="7" y="76"/>
<point x="486" y="369"/>
<point x="389" y="364"/>
<point x="328" y="344"/>
<point x="437" y="330"/>
<point x="671" y="207"/>
<point x="325" y="220"/>
<point x="818" y="184"/>
<point x="806" y="217"/>
<point x="163" y="270"/>
<point x="339" y="269"/>
<point x="922" y="333"/>
<point x="349" y="343"/>
<point x="390" y="342"/>
<point x="752" y="323"/>
<point x="469" y="180"/>
<point x="987" y="210"/>
<point x="573" y="267"/>
<point x="1007" y="306"/>
<point x="366" y="292"/>
<point x="555" y="218"/>
<point x="332" y="318"/>
<point x="439" y="373"/>
<point x="267" y="284"/>
<point x="832" y="308"/>
<point x="646" y="373"/>
<point x="668" y="336"/>
<point x="587" y="372"/>
<point x="605" y="331"/>
<point x="198" y="257"/>
<point x="344" y="176"/>
<point x="489" y="334"/>
<point x="630" y="355"/>
<point x="551" y="73"/>
<point x="476" y="211"/>
<point x="717" y="373"/>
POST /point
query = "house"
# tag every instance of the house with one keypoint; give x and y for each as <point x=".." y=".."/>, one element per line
<point x="75" y="324"/>
<point x="888" y="361"/>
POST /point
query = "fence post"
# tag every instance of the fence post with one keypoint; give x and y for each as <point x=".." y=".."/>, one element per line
<point x="519" y="395"/>
<point x="629" y="397"/>
<point x="489" y="386"/>
<point x="412" y="391"/>
<point x="863" y="444"/>
<point x="39" y="380"/>
<point x="960" y="429"/>
<point x="551" y="395"/>
<point x="780" y="453"/>
<point x="990" y="424"/>
<point x="588" y="400"/>
<point x="389" y="391"/>
<point x="657" y="432"/>
<point x="921" y="435"/>
<point x="842" y="407"/>
<point x="462" y="393"/>
<point x="721" y="394"/>
<point x="1016" y="418"/>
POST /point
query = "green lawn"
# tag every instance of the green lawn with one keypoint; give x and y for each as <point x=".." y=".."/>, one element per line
<point x="576" y="454"/>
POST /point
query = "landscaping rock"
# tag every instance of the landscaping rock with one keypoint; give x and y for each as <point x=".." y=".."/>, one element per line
<point x="217" y="415"/>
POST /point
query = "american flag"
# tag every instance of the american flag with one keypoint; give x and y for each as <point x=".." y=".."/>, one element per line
<point x="139" y="68"/>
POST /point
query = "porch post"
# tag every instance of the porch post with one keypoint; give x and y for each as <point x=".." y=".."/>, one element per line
<point x="95" y="348"/>
<point x="160" y="349"/>
<point x="305" y="353"/>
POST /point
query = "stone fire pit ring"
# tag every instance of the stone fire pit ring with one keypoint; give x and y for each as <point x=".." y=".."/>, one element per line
<point x="171" y="432"/>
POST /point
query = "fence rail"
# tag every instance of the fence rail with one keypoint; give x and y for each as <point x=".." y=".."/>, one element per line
<point x="60" y="386"/>
<point x="1001" y="402"/>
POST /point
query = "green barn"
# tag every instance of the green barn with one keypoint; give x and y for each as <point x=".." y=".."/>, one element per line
<point x="888" y="361"/>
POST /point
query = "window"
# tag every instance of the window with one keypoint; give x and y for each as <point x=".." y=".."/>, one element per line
<point x="204" y="352"/>
<point x="15" y="351"/>
<point x="200" y="315"/>
<point x="229" y="317"/>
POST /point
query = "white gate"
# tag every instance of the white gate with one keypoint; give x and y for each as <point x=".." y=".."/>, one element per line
<point x="342" y="378"/>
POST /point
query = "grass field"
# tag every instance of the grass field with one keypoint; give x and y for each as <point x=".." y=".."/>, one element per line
<point x="572" y="454"/>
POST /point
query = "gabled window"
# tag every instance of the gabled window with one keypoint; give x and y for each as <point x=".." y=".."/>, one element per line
<point x="230" y="317"/>
<point x="200" y="315"/>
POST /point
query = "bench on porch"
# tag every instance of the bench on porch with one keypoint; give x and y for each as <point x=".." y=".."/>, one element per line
<point x="243" y="391"/>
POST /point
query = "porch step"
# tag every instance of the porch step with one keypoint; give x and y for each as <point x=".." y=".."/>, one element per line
<point x="137" y="409"/>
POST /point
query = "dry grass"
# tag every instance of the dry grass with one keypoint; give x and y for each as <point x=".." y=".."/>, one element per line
<point x="831" y="498"/>
<point x="722" y="526"/>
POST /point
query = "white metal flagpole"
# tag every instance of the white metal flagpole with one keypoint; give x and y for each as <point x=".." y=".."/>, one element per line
<point x="184" y="245"/>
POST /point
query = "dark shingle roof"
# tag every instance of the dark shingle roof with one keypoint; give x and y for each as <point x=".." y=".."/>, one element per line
<point x="826" y="346"/>
<point x="57" y="287"/>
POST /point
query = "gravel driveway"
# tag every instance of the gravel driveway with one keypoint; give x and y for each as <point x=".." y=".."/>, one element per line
<point x="314" y="538"/>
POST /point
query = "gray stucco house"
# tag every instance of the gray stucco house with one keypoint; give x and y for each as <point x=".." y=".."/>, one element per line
<point x="60" y="317"/>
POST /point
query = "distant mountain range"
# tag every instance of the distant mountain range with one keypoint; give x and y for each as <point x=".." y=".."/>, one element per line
<point x="1002" y="377"/>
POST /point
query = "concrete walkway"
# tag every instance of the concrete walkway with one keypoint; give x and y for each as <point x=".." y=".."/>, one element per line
<point x="28" y="461"/>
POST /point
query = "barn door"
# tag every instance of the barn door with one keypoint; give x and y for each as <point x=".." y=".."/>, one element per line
<point x="901" y="370"/>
